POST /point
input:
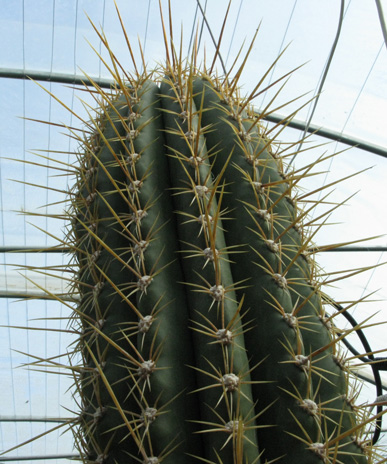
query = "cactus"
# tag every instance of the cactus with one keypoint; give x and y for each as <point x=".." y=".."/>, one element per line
<point x="205" y="335"/>
<point x="205" y="332"/>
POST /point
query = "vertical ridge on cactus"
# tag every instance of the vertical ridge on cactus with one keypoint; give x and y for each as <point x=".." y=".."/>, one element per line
<point x="205" y="336"/>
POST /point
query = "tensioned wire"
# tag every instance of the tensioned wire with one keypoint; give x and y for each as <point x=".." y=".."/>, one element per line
<point x="323" y="78"/>
<point x="205" y="21"/>
<point x="194" y="26"/>
<point x="46" y="218"/>
<point x="62" y="322"/>
<point x="7" y="313"/>
<point x="234" y="29"/>
<point x="146" y="27"/>
<point x="362" y="88"/>
<point x="193" y="29"/>
<point x="382" y="20"/>
<point x="279" y="50"/>
<point x="24" y="195"/>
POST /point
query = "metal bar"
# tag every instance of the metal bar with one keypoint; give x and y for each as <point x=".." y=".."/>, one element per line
<point x="35" y="419"/>
<point x="39" y="458"/>
<point x="37" y="296"/>
<point x="33" y="249"/>
<point x="350" y="248"/>
<point x="381" y="20"/>
<point x="328" y="134"/>
<point x="370" y="379"/>
<point x="375" y="372"/>
<point x="48" y="76"/>
<point x="276" y="118"/>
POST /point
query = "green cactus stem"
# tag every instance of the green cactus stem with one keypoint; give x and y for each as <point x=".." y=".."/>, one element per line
<point x="207" y="339"/>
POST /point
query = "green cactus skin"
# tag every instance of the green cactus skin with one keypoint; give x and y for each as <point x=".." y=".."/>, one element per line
<point x="205" y="335"/>
<point x="293" y="293"/>
<point x="137" y="340"/>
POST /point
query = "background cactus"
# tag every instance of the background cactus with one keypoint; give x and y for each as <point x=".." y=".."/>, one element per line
<point x="204" y="327"/>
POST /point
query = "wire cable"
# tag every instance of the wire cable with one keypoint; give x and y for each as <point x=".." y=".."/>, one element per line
<point x="324" y="76"/>
<point x="212" y="36"/>
<point x="24" y="197"/>
<point x="280" y="50"/>
<point x="202" y="26"/>
<point x="46" y="218"/>
<point x="146" y="26"/>
<point x="362" y="88"/>
<point x="381" y="20"/>
<point x="370" y="359"/>
<point x="193" y="30"/>
<point x="233" y="32"/>
<point x="100" y="42"/>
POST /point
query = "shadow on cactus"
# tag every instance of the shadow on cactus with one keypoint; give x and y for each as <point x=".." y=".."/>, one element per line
<point x="204" y="331"/>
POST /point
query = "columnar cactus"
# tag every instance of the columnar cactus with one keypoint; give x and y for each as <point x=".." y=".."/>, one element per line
<point x="205" y="335"/>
